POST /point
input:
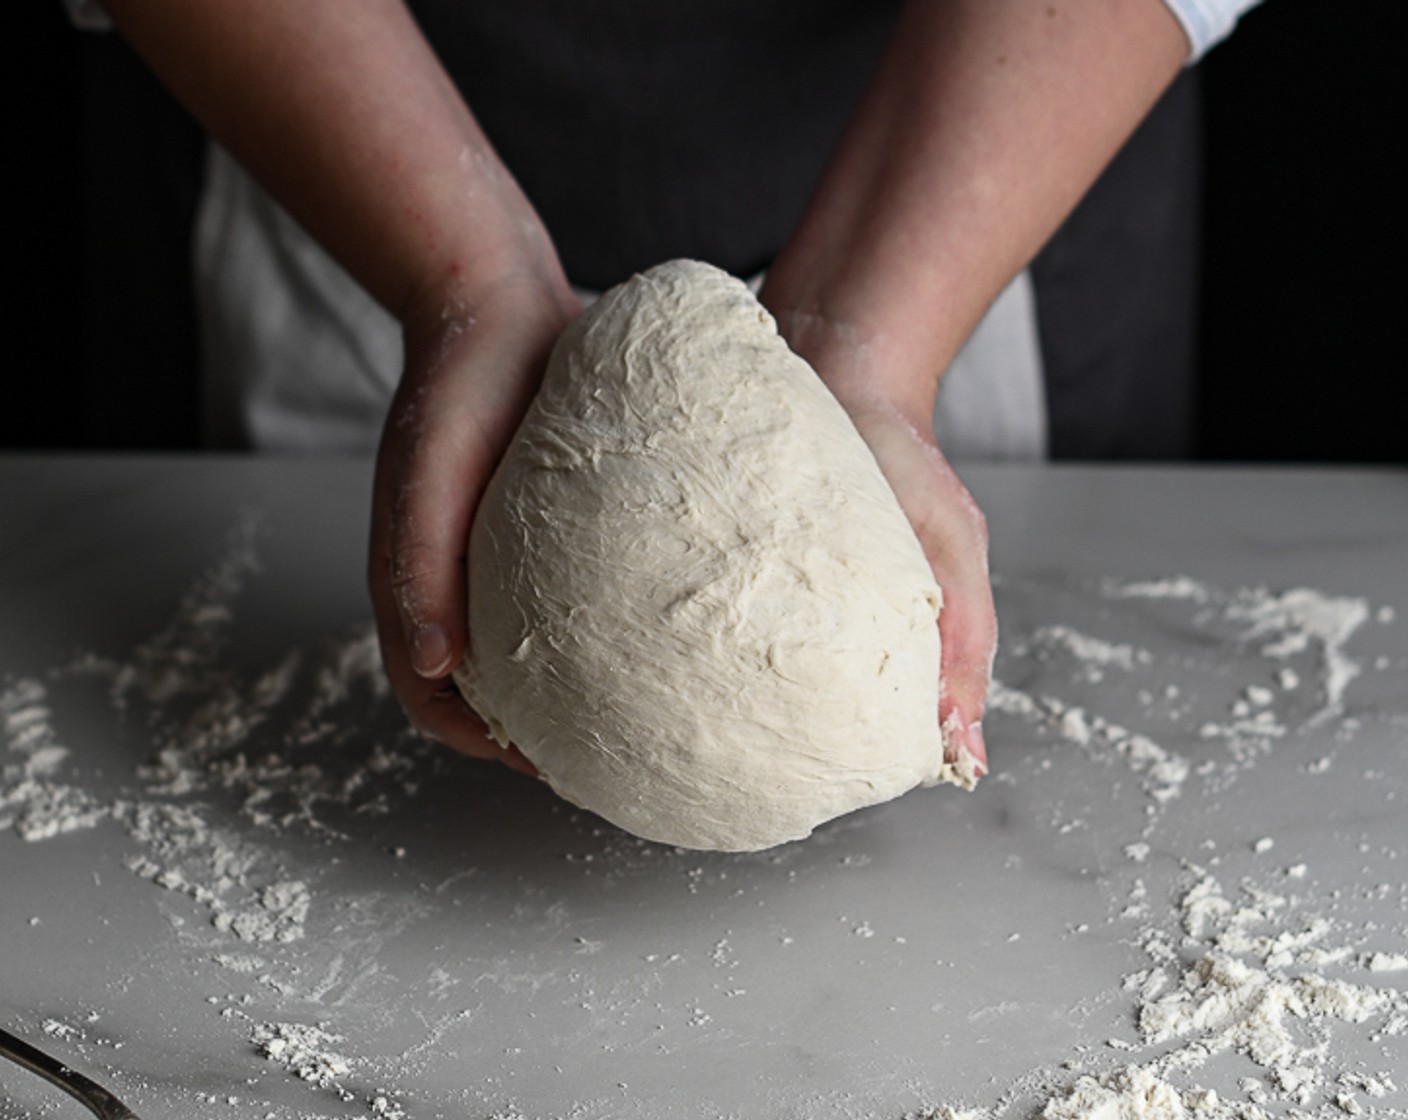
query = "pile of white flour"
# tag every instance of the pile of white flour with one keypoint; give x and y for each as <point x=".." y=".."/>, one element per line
<point x="1250" y="977"/>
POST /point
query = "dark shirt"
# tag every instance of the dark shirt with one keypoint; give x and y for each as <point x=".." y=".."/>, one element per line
<point x="649" y="129"/>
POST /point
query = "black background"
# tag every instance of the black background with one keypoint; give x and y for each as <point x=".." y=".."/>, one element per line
<point x="1300" y="356"/>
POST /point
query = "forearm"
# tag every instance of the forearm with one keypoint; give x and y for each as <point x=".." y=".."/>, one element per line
<point x="986" y="122"/>
<point x="342" y="111"/>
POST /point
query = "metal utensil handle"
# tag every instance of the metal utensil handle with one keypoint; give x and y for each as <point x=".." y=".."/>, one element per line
<point x="90" y="1094"/>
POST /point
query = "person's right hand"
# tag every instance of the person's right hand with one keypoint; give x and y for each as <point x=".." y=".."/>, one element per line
<point x="472" y="364"/>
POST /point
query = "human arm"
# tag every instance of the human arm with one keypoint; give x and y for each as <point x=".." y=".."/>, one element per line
<point x="986" y="122"/>
<point x="344" y="114"/>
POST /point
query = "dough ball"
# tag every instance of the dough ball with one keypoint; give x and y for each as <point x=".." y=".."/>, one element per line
<point x="694" y="601"/>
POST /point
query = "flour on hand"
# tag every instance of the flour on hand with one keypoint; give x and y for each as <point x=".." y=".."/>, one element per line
<point x="695" y="602"/>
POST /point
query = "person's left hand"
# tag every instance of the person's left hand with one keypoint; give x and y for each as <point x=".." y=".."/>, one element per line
<point x="953" y="533"/>
<point x="946" y="519"/>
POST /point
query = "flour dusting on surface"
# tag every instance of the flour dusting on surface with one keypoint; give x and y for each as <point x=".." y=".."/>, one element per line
<point x="33" y="801"/>
<point x="1260" y="974"/>
<point x="208" y="809"/>
<point x="257" y="787"/>
<point x="307" y="1052"/>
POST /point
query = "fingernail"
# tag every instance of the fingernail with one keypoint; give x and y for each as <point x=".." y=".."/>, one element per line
<point x="977" y="745"/>
<point x="430" y="651"/>
<point x="514" y="759"/>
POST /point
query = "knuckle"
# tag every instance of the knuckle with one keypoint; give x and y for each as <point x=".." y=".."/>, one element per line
<point x="412" y="567"/>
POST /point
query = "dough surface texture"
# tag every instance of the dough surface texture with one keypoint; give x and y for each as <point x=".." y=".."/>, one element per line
<point x="695" y="603"/>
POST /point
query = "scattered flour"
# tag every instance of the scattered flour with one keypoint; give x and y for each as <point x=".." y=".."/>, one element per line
<point x="1247" y="978"/>
<point x="1286" y="624"/>
<point x="32" y="800"/>
<point x="1126" y="1094"/>
<point x="1256" y="976"/>
<point x="1248" y="972"/>
<point x="1254" y="985"/>
<point x="279" y="914"/>
<point x="305" y="1051"/>
<point x="56" y="1028"/>
<point x="1177" y="587"/>
<point x="1094" y="655"/>
<point x="200" y="717"/>
<point x="1296" y="620"/>
<point x="205" y="810"/>
<point x="1387" y="962"/>
<point x="1164" y="771"/>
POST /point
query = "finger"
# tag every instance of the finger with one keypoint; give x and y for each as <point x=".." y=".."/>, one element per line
<point x="435" y="708"/>
<point x="427" y="706"/>
<point x="430" y="483"/>
<point x="968" y="637"/>
<point x="957" y="549"/>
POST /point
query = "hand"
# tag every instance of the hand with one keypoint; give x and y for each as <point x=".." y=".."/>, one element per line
<point x="473" y="363"/>
<point x="953" y="532"/>
<point x="950" y="526"/>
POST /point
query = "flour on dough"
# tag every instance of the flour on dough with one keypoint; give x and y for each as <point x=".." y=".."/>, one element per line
<point x="695" y="603"/>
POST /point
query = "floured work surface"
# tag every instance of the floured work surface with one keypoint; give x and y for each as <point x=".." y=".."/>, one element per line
<point x="233" y="886"/>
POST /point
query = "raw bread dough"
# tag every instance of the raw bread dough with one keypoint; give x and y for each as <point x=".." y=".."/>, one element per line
<point x="695" y="603"/>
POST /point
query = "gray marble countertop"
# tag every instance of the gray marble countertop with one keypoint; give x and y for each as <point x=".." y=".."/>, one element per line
<point x="232" y="885"/>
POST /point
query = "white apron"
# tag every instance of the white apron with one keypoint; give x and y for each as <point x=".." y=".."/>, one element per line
<point x="297" y="357"/>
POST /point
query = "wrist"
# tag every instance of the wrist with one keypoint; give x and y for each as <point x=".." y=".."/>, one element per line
<point x="867" y="367"/>
<point x="488" y="282"/>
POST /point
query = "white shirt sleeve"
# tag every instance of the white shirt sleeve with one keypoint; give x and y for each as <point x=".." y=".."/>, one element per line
<point x="1207" y="22"/>
<point x="88" y="15"/>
